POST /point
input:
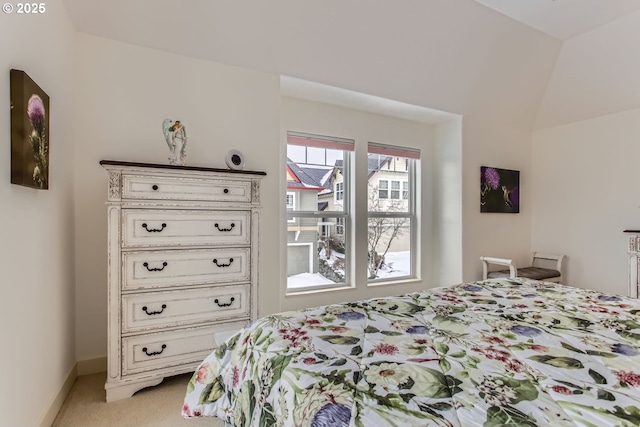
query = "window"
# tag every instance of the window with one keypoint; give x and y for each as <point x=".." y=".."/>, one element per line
<point x="339" y="191"/>
<point x="383" y="189"/>
<point x="320" y="211"/>
<point x="395" y="190"/>
<point x="391" y="240"/>
<point x="291" y="204"/>
<point x="318" y="250"/>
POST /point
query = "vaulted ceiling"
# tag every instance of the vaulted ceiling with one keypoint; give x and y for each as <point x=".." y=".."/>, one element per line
<point x="530" y="63"/>
<point x="564" y="19"/>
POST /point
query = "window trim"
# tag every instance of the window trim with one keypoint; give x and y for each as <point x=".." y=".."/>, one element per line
<point x="347" y="147"/>
<point x="412" y="187"/>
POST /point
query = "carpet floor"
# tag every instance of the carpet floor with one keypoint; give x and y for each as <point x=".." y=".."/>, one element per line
<point x="157" y="406"/>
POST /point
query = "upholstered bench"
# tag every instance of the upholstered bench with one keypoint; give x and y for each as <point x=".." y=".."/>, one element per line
<point x="539" y="269"/>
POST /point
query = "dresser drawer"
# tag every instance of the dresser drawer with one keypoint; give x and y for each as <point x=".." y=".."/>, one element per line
<point x="175" y="268"/>
<point x="151" y="228"/>
<point x="176" y="308"/>
<point x="185" y="188"/>
<point x="167" y="349"/>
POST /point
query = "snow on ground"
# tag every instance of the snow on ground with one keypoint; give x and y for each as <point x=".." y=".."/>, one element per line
<point x="397" y="264"/>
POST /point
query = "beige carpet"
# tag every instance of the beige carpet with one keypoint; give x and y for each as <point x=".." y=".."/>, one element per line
<point x="157" y="406"/>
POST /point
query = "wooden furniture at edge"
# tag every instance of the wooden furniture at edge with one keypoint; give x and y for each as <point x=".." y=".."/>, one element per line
<point x="182" y="267"/>
<point x="633" y="253"/>
<point x="534" y="271"/>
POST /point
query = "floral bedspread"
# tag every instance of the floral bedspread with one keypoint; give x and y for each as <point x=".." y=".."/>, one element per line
<point x="490" y="353"/>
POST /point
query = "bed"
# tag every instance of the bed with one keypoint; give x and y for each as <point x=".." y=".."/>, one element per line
<point x="510" y="352"/>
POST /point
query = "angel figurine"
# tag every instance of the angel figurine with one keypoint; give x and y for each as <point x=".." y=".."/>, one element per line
<point x="176" y="136"/>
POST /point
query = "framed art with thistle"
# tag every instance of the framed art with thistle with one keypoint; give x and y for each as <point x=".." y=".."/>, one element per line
<point x="29" y="132"/>
<point x="499" y="190"/>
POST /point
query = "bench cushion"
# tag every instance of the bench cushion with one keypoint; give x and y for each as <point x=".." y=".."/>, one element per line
<point x="536" y="273"/>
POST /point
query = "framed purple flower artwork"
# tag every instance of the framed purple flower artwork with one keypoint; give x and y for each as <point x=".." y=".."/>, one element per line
<point x="29" y="132"/>
<point x="499" y="190"/>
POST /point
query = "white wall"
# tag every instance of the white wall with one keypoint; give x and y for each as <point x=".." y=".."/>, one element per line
<point x="123" y="94"/>
<point x="36" y="227"/>
<point x="485" y="143"/>
<point x="323" y="119"/>
<point x="446" y="202"/>
<point x="585" y="193"/>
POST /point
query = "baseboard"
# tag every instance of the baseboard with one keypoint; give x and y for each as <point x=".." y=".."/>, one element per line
<point x="92" y="366"/>
<point x="83" y="367"/>
<point x="54" y="407"/>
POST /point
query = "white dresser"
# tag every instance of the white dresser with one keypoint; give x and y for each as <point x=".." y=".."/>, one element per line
<point x="182" y="267"/>
<point x="633" y="252"/>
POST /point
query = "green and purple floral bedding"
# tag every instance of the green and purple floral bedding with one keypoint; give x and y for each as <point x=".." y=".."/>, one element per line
<point x="492" y="353"/>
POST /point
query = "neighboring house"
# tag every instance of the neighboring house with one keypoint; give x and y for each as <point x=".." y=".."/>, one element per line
<point x="317" y="188"/>
<point x="303" y="186"/>
<point x="388" y="190"/>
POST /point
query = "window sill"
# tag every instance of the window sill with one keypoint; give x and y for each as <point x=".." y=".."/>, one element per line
<point x="315" y="290"/>
<point x="401" y="281"/>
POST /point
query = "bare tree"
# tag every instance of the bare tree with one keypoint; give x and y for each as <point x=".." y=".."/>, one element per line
<point x="382" y="230"/>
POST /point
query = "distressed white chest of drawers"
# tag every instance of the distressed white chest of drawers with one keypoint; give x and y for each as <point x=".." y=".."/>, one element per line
<point x="182" y="267"/>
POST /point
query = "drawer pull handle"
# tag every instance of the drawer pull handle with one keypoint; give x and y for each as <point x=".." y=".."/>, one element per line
<point x="154" y="353"/>
<point x="224" y="229"/>
<point x="153" y="230"/>
<point x="146" y="264"/>
<point x="226" y="191"/>
<point x="153" y="313"/>
<point x="215" y="261"/>
<point x="155" y="187"/>
<point x="224" y="305"/>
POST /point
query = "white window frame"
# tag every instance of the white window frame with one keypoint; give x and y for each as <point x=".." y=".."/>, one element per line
<point x="412" y="191"/>
<point x="345" y="213"/>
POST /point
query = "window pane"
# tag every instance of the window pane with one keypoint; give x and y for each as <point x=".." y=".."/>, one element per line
<point x="395" y="189"/>
<point x="389" y="245"/>
<point x="297" y="153"/>
<point x="315" y="235"/>
<point x="316" y="253"/>
<point x="317" y="186"/>
<point x="339" y="190"/>
<point x="391" y="214"/>
<point x="316" y="156"/>
<point x="383" y="192"/>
